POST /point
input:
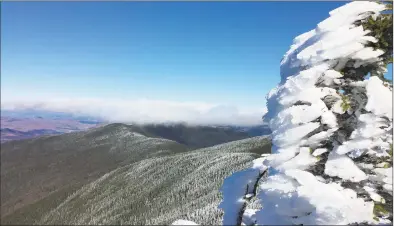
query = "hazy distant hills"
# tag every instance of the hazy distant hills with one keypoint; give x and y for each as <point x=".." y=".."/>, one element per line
<point x="22" y="127"/>
<point x="121" y="174"/>
<point x="8" y="134"/>
<point x="34" y="113"/>
<point x="30" y="123"/>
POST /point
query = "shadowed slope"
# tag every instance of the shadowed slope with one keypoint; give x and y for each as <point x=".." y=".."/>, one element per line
<point x="195" y="136"/>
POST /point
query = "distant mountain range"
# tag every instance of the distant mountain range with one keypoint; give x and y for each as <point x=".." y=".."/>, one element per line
<point x="23" y="124"/>
<point x="16" y="128"/>
<point x="34" y="113"/>
<point x="123" y="174"/>
<point x="8" y="134"/>
<point x="29" y="123"/>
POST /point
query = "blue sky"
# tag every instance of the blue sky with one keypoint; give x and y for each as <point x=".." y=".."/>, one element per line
<point x="213" y="52"/>
<point x="221" y="52"/>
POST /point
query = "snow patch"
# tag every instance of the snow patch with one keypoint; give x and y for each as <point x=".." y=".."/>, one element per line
<point x="343" y="167"/>
<point x="183" y="222"/>
<point x="233" y="190"/>
<point x="380" y="98"/>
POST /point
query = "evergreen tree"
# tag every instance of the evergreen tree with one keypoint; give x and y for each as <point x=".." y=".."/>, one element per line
<point x="331" y="160"/>
<point x="381" y="28"/>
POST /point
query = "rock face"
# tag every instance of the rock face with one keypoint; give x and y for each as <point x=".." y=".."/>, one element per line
<point x="331" y="160"/>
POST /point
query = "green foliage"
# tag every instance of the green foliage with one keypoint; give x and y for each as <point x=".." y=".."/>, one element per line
<point x="379" y="210"/>
<point x="391" y="150"/>
<point x="382" y="29"/>
<point x="345" y="105"/>
<point x="379" y="29"/>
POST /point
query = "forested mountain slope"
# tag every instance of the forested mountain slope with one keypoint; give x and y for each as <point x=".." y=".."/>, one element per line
<point x="160" y="190"/>
<point x="36" y="168"/>
<point x="195" y="136"/>
<point x="114" y="162"/>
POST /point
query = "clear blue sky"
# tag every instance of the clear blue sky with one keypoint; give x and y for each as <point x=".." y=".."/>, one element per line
<point x="220" y="52"/>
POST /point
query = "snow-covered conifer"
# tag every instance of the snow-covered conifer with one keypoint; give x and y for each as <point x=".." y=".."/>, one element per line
<point x="331" y="123"/>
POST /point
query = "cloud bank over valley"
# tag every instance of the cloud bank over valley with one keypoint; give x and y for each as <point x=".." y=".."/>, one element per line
<point x="145" y="111"/>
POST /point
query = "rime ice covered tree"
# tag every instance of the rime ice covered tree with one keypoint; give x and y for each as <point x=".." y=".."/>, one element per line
<point x="331" y="117"/>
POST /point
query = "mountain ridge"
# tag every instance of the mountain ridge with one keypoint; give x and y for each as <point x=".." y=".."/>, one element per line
<point x="54" y="167"/>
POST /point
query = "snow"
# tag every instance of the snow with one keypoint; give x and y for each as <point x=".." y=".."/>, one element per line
<point x="281" y="156"/>
<point x="382" y="165"/>
<point x="302" y="161"/>
<point x="367" y="54"/>
<point x="296" y="114"/>
<point x="330" y="75"/>
<point x="365" y="166"/>
<point x="329" y="119"/>
<point x="316" y="139"/>
<point x="337" y="108"/>
<point x="237" y="187"/>
<point x="137" y="134"/>
<point x="284" y="138"/>
<point x="359" y="83"/>
<point x="299" y="193"/>
<point x="183" y="222"/>
<point x="369" y="127"/>
<point x="388" y="187"/>
<point x="259" y="164"/>
<point x="380" y="98"/>
<point x="248" y="196"/>
<point x="356" y="153"/>
<point x="233" y="190"/>
<point x="385" y="174"/>
<point x="248" y="216"/>
<point x="353" y="145"/>
<point x="374" y="196"/>
<point x="356" y="8"/>
<point x="301" y="121"/>
<point x="343" y="167"/>
<point x="319" y="151"/>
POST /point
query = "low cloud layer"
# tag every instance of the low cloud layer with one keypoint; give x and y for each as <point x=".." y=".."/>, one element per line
<point x="146" y="111"/>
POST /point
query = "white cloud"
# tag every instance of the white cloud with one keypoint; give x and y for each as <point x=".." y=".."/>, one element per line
<point x="145" y="111"/>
